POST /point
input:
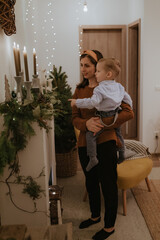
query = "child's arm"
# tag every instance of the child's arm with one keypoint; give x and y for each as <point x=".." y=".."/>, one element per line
<point x="127" y="99"/>
<point x="88" y="103"/>
<point x="73" y="102"/>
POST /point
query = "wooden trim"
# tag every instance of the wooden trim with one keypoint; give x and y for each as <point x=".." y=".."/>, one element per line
<point x="148" y="184"/>
<point x="124" y="51"/>
<point x="103" y="26"/>
<point x="134" y="24"/>
<point x="124" y="202"/>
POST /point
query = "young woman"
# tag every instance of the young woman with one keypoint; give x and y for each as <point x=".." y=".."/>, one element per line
<point x="105" y="173"/>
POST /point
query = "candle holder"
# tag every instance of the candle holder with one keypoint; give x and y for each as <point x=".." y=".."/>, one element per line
<point x="22" y="75"/>
<point x="28" y="85"/>
<point x="18" y="80"/>
<point x="36" y="84"/>
<point x="49" y="87"/>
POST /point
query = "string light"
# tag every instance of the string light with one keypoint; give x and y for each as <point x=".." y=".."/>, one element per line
<point x="48" y="38"/>
<point x="30" y="16"/>
<point x="80" y="40"/>
<point x="78" y="11"/>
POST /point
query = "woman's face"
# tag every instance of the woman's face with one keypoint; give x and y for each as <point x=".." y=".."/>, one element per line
<point x="87" y="68"/>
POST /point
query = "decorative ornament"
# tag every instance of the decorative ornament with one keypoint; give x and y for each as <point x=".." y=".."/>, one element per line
<point x="7" y="16"/>
<point x="43" y="79"/>
<point x="49" y="81"/>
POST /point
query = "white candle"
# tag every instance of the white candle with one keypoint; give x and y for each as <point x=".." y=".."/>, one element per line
<point x="26" y="64"/>
<point x="34" y="61"/>
<point x="15" y="58"/>
<point x="18" y="58"/>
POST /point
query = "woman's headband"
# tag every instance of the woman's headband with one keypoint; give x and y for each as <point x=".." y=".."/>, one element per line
<point x="92" y="54"/>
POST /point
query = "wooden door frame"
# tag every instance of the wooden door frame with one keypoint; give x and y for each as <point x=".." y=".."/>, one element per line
<point x="132" y="25"/>
<point x="82" y="28"/>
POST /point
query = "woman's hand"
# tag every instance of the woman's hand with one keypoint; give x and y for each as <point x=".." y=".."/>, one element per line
<point x="94" y="125"/>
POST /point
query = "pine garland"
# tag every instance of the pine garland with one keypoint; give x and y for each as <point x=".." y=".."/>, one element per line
<point x="18" y="120"/>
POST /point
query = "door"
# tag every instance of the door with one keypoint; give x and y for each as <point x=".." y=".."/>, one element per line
<point x="110" y="40"/>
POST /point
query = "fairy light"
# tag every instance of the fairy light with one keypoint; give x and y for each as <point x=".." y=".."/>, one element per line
<point x="80" y="40"/>
<point x="48" y="39"/>
<point x="30" y="16"/>
<point x="79" y="10"/>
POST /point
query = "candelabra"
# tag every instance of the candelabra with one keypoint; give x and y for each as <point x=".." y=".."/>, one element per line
<point x="28" y="85"/>
<point x="36" y="84"/>
<point x="18" y="80"/>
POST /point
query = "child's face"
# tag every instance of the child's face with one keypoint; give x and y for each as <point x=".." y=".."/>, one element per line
<point x="100" y="72"/>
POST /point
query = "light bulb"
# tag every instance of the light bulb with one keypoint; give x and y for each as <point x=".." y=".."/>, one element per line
<point x="85" y="8"/>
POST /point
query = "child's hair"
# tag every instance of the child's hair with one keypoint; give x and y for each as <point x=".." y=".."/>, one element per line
<point x="111" y="64"/>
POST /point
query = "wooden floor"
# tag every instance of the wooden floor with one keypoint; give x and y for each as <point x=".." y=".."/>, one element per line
<point x="156" y="159"/>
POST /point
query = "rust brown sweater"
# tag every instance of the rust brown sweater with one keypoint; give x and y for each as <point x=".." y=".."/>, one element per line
<point x="80" y="116"/>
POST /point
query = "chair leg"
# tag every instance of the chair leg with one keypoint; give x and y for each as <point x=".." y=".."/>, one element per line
<point x="148" y="184"/>
<point x="124" y="202"/>
<point x="85" y="196"/>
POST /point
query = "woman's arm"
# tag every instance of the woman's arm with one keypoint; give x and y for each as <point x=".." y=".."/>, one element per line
<point x="125" y="115"/>
<point x="93" y="124"/>
<point x="77" y="121"/>
<point x="85" y="123"/>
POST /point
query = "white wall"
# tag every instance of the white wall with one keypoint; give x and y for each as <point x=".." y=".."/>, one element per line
<point x="61" y="44"/>
<point x="151" y="76"/>
<point x="6" y="51"/>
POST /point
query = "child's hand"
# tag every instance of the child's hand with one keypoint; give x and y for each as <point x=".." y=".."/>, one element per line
<point x="73" y="102"/>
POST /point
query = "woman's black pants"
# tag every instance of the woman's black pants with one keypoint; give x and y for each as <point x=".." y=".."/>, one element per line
<point x="104" y="174"/>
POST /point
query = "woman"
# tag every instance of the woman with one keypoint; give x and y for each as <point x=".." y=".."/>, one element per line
<point x="105" y="173"/>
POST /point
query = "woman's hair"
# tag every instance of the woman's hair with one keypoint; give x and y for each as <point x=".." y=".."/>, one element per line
<point x="94" y="56"/>
<point x="111" y="64"/>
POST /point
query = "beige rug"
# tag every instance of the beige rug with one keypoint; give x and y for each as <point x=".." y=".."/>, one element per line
<point x="149" y="204"/>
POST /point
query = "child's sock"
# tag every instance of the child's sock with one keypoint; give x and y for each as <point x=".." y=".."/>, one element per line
<point x="121" y="157"/>
<point x="92" y="162"/>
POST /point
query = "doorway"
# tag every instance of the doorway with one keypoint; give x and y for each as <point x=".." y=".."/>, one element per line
<point x="110" y="40"/>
